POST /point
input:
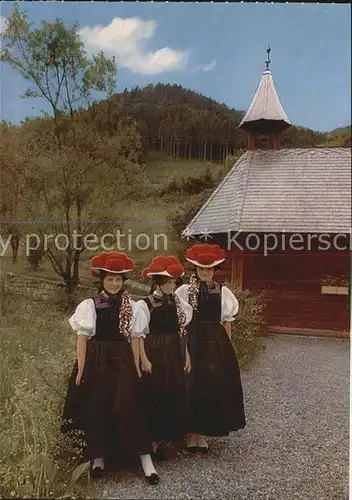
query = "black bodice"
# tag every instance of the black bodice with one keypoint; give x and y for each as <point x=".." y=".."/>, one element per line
<point x="209" y="303"/>
<point x="107" y="325"/>
<point x="163" y="315"/>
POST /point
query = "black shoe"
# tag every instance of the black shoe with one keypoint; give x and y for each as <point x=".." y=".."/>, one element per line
<point x="203" y="449"/>
<point x="152" y="479"/>
<point x="192" y="449"/>
<point x="97" y="472"/>
<point x="160" y="454"/>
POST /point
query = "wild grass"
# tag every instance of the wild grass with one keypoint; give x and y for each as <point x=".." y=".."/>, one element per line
<point x="37" y="354"/>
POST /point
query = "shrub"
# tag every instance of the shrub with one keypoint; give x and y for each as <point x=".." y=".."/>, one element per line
<point x="248" y="326"/>
<point x="35" y="256"/>
<point x="191" y="185"/>
<point x="335" y="281"/>
<point x="232" y="158"/>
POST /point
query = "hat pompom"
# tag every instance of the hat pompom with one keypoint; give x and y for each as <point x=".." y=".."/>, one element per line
<point x="114" y="262"/>
<point x="205" y="258"/>
<point x="144" y="273"/>
<point x="176" y="270"/>
<point x="158" y="265"/>
<point x="99" y="260"/>
<point x="205" y="254"/>
<point x="172" y="259"/>
<point x="164" y="265"/>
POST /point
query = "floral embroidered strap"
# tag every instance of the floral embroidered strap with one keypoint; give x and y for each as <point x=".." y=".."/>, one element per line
<point x="125" y="314"/>
<point x="193" y="291"/>
<point x="181" y="317"/>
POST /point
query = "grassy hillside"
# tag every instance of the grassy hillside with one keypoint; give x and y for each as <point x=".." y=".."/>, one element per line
<point x="170" y="187"/>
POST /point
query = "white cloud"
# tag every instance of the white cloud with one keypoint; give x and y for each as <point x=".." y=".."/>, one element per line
<point x="126" y="39"/>
<point x="205" y="67"/>
<point x="209" y="66"/>
<point x="2" y="23"/>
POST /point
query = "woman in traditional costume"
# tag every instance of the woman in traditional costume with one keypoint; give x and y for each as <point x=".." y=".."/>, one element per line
<point x="164" y="353"/>
<point x="215" y="390"/>
<point x="103" y="398"/>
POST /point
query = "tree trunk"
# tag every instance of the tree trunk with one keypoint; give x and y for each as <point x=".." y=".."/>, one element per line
<point x="205" y="151"/>
<point x="15" y="243"/>
<point x="76" y="266"/>
<point x="71" y="287"/>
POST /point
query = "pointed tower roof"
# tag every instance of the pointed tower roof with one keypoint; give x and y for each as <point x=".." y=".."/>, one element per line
<point x="265" y="115"/>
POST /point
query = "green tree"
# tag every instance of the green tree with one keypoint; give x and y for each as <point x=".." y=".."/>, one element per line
<point x="54" y="62"/>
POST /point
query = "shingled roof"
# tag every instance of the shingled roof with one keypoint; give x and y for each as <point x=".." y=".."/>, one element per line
<point x="291" y="190"/>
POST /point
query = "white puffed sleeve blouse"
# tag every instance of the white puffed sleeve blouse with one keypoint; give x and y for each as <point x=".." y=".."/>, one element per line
<point x="83" y="321"/>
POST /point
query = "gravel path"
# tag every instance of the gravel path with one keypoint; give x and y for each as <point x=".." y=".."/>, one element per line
<point x="295" y="444"/>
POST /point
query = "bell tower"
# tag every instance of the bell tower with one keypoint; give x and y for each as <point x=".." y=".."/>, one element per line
<point x="265" y="116"/>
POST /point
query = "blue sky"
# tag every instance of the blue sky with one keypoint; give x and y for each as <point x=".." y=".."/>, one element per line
<point x="215" y="49"/>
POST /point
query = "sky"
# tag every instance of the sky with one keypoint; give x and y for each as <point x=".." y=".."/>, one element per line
<point x="216" y="49"/>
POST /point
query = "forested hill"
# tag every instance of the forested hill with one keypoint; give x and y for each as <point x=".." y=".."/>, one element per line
<point x="340" y="137"/>
<point x="188" y="125"/>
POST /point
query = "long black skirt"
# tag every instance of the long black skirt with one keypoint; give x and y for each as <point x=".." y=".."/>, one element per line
<point x="107" y="406"/>
<point x="164" y="388"/>
<point x="214" y="388"/>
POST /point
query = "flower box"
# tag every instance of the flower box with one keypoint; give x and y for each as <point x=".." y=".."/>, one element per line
<point x="334" y="290"/>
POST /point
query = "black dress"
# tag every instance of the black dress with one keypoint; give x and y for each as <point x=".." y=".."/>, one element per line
<point x="164" y="388"/>
<point x="215" y="396"/>
<point x="107" y="405"/>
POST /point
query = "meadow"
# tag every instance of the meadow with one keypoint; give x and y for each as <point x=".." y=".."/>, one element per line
<point x="169" y="189"/>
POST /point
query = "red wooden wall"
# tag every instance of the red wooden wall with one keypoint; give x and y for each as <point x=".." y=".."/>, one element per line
<point x="291" y="282"/>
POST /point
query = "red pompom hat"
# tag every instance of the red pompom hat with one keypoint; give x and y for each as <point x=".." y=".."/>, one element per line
<point x="164" y="265"/>
<point x="112" y="262"/>
<point x="205" y="255"/>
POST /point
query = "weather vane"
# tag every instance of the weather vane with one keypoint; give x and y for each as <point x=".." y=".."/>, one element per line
<point x="267" y="62"/>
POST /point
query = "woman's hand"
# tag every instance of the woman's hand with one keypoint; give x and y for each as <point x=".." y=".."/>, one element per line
<point x="188" y="364"/>
<point x="79" y="376"/>
<point x="135" y="349"/>
<point x="81" y="356"/>
<point x="139" y="371"/>
<point x="227" y="326"/>
<point x="146" y="365"/>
